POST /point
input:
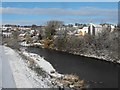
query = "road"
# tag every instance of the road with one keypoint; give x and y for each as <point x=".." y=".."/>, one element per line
<point x="6" y="78"/>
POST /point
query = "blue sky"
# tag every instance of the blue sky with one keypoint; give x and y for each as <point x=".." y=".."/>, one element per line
<point x="27" y="13"/>
<point x="60" y="0"/>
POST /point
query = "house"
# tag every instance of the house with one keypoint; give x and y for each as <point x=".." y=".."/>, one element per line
<point x="112" y="28"/>
<point x="5" y="29"/>
<point x="6" y="34"/>
<point x="23" y="28"/>
<point x="83" y="31"/>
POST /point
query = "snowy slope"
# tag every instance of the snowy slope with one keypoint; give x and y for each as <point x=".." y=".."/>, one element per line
<point x="45" y="65"/>
<point x="24" y="77"/>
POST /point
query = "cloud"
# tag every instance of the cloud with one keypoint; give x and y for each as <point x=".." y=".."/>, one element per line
<point x="84" y="11"/>
<point x="93" y="14"/>
<point x="22" y="22"/>
<point x="66" y="21"/>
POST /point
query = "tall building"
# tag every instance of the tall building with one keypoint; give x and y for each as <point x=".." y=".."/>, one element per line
<point x="94" y="29"/>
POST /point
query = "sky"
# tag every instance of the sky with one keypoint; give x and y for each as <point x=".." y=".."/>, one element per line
<point x="60" y="0"/>
<point x="28" y="13"/>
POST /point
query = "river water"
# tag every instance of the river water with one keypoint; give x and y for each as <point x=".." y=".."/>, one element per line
<point x="97" y="73"/>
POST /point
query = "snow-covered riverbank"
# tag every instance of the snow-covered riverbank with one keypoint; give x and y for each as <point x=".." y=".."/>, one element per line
<point x="42" y="63"/>
<point x="29" y="70"/>
<point x="69" y="81"/>
<point x="30" y="44"/>
<point x="102" y="56"/>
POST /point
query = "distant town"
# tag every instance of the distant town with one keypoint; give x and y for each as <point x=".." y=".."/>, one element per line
<point x="71" y="29"/>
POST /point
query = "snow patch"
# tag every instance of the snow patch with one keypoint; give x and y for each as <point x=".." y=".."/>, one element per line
<point x="45" y="65"/>
<point x="30" y="44"/>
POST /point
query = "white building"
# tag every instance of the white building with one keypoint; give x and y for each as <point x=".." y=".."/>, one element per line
<point x="5" y="31"/>
<point x="6" y="34"/>
<point x="24" y="28"/>
<point x="91" y="29"/>
<point x="3" y="28"/>
<point x="94" y="29"/>
<point x="112" y="28"/>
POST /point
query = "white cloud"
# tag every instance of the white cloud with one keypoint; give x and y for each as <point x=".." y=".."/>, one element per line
<point x="66" y="20"/>
<point x="21" y="22"/>
<point x="98" y="15"/>
<point x="84" y="11"/>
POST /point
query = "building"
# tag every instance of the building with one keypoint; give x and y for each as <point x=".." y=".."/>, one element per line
<point x="82" y="31"/>
<point x="94" y="29"/>
<point x="5" y="29"/>
<point x="91" y="29"/>
<point x="6" y="34"/>
<point x="112" y="27"/>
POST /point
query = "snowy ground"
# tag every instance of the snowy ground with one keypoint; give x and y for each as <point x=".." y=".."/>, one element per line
<point x="45" y="65"/>
<point x="31" y="44"/>
<point x="28" y="70"/>
<point x="23" y="76"/>
<point x="6" y="71"/>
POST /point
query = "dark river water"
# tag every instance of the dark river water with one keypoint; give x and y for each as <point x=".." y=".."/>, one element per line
<point x="97" y="73"/>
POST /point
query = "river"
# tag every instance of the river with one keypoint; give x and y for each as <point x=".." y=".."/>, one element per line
<point x="97" y="73"/>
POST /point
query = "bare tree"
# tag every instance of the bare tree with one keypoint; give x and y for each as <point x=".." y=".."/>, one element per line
<point x="51" y="27"/>
<point x="13" y="42"/>
<point x="34" y="26"/>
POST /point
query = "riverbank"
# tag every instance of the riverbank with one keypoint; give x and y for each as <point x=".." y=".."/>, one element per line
<point x="97" y="73"/>
<point x="61" y="80"/>
<point x="102" y="56"/>
<point x="23" y="76"/>
<point x="32" y="71"/>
